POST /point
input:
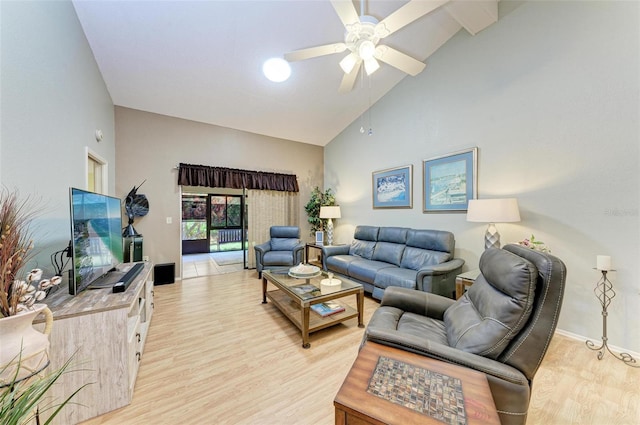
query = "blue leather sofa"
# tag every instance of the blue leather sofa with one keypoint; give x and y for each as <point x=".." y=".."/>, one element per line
<point x="379" y="257"/>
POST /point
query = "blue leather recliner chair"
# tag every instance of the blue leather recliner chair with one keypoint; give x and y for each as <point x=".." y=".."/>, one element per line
<point x="283" y="249"/>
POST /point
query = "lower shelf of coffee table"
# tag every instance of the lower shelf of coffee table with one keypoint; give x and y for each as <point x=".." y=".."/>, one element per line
<point x="316" y="322"/>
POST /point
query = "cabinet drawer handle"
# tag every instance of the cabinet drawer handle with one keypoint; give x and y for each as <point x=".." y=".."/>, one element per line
<point x="138" y="355"/>
<point x="138" y="336"/>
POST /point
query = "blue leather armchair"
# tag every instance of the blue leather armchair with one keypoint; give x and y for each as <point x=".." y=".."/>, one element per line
<point x="283" y="249"/>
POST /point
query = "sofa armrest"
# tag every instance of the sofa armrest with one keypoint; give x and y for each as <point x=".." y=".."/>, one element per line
<point x="445" y="353"/>
<point x="444" y="272"/>
<point x="298" y="253"/>
<point x="439" y="269"/>
<point x="263" y="247"/>
<point x="418" y="302"/>
<point x="328" y="251"/>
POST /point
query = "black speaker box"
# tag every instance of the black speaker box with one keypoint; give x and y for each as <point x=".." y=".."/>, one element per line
<point x="164" y="273"/>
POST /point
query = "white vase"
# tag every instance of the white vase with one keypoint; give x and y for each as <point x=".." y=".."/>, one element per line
<point x="24" y="351"/>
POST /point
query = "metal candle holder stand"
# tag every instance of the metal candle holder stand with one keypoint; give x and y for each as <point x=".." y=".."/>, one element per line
<point x="605" y="293"/>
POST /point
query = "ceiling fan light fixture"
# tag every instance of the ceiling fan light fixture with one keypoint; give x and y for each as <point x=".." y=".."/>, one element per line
<point x="276" y="70"/>
<point x="371" y="65"/>
<point x="366" y="50"/>
<point x="348" y="62"/>
<point x="361" y="38"/>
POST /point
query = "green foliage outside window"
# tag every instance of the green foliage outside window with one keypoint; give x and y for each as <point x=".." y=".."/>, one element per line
<point x="194" y="230"/>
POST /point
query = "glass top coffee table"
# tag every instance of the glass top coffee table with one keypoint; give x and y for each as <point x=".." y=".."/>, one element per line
<point x="295" y="296"/>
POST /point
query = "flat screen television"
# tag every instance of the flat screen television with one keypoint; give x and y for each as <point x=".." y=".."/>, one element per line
<point x="96" y="237"/>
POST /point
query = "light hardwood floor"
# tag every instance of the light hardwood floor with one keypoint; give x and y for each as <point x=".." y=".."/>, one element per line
<point x="216" y="355"/>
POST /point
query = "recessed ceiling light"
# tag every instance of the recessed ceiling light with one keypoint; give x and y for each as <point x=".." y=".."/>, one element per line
<point x="276" y="70"/>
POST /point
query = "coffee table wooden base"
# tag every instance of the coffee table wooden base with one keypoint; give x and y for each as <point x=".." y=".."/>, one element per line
<point x="298" y="311"/>
<point x="356" y="406"/>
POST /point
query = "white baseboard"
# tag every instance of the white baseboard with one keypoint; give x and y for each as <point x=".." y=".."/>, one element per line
<point x="597" y="342"/>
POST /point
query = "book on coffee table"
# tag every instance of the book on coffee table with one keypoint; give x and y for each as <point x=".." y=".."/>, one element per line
<point x="327" y="308"/>
<point x="306" y="291"/>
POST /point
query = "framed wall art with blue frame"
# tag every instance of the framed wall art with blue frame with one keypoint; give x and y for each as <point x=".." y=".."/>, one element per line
<point x="393" y="188"/>
<point x="450" y="181"/>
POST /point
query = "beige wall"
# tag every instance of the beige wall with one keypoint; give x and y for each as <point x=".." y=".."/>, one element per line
<point x="53" y="100"/>
<point x="553" y="108"/>
<point x="150" y="146"/>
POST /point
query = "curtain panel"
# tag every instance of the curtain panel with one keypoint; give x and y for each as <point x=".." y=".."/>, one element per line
<point x="202" y="175"/>
<point x="269" y="208"/>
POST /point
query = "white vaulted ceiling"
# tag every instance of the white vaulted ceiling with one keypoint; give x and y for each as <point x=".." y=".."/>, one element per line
<point x="202" y="60"/>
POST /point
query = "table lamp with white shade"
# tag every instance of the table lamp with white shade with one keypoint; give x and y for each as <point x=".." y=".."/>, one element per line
<point x="330" y="212"/>
<point x="493" y="211"/>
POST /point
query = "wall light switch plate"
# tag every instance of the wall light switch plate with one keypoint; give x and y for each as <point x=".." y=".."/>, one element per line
<point x="169" y="220"/>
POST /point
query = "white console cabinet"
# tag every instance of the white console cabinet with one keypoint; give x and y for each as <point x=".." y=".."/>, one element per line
<point x="105" y="332"/>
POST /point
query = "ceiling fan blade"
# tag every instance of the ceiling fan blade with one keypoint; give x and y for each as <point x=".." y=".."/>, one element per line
<point x="405" y="15"/>
<point x="396" y="59"/>
<point x="346" y="11"/>
<point x="349" y="79"/>
<point x="313" y="52"/>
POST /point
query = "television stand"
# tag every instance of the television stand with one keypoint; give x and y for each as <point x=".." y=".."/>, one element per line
<point x="105" y="333"/>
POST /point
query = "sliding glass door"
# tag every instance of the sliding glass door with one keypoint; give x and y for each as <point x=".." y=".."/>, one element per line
<point x="225" y="224"/>
<point x="214" y="223"/>
<point x="195" y="235"/>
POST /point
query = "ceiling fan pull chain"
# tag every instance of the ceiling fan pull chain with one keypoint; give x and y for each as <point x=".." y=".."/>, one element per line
<point x="362" y="115"/>
<point x="370" y="133"/>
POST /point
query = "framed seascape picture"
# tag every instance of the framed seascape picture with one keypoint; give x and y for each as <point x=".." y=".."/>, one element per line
<point x="393" y="188"/>
<point x="450" y="181"/>
<point x="320" y="238"/>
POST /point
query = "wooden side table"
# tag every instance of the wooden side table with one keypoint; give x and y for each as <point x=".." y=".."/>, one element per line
<point x="372" y="394"/>
<point x="465" y="280"/>
<point x="313" y="245"/>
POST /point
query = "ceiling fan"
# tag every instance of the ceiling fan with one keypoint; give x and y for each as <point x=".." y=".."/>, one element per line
<point x="361" y="40"/>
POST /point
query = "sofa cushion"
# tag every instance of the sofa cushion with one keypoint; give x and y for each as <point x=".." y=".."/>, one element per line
<point x="416" y="258"/>
<point x="278" y="258"/>
<point x="432" y="240"/>
<point x="394" y="319"/>
<point x="366" y="270"/>
<point x="340" y="263"/>
<point x="362" y="249"/>
<point x="377" y="293"/>
<point x="395" y="276"/>
<point x="393" y="234"/>
<point x="388" y="252"/>
<point x="423" y="327"/>
<point x="366" y="233"/>
<point x="284" y="232"/>
<point x="496" y="307"/>
<point x="283" y="244"/>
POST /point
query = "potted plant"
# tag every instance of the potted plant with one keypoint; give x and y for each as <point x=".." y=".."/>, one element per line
<point x="24" y="353"/>
<point x="19" y="400"/>
<point x="18" y="298"/>
<point x="533" y="243"/>
<point x="318" y="199"/>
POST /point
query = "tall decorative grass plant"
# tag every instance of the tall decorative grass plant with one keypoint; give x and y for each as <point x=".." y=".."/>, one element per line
<point x="21" y="400"/>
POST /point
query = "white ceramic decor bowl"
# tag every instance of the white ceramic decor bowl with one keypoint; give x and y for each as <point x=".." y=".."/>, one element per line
<point x="329" y="286"/>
